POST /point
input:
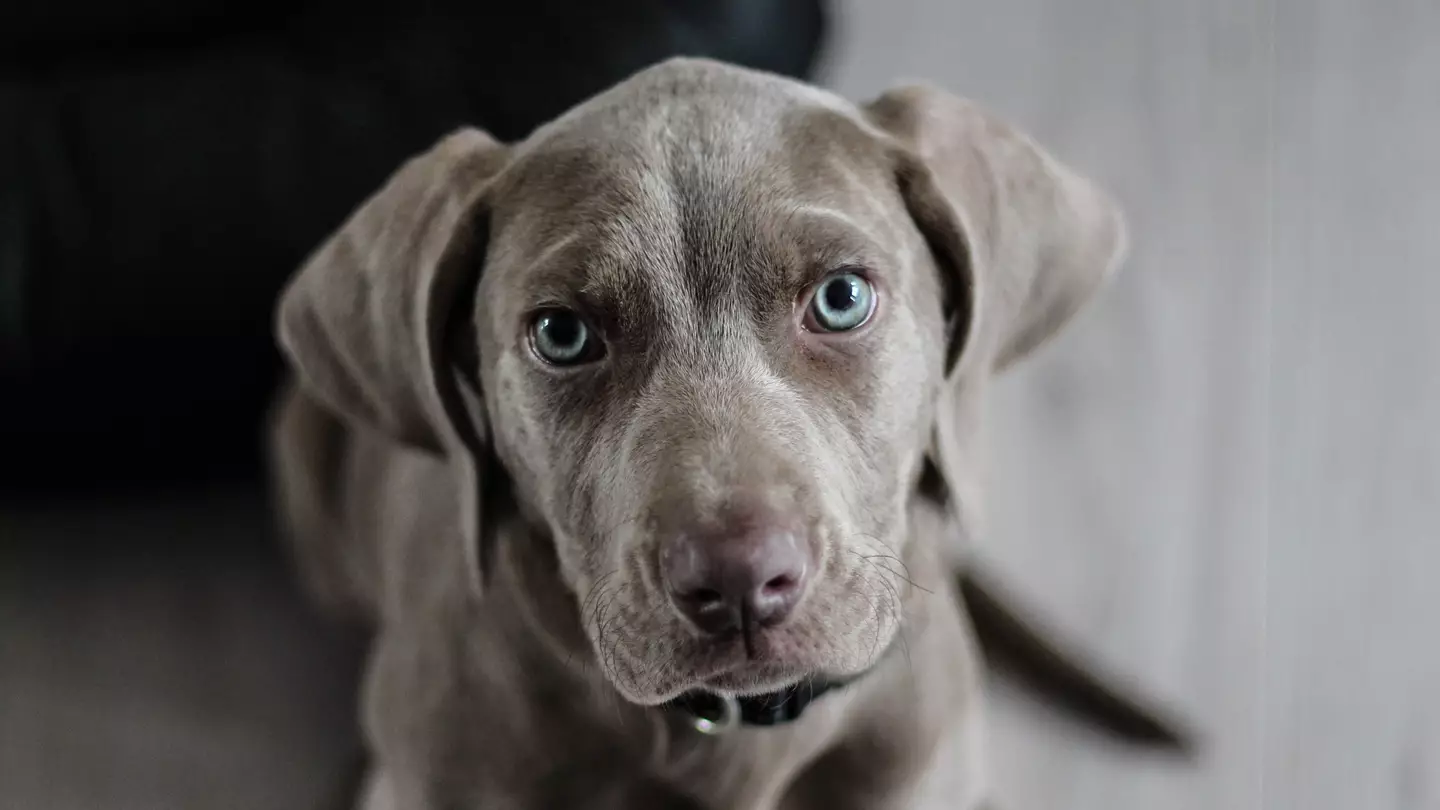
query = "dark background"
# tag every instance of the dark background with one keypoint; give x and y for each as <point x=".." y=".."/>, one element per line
<point x="164" y="166"/>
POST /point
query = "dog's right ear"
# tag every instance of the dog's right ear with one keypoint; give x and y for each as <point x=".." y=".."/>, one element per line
<point x="1021" y="241"/>
<point x="367" y="321"/>
<point x="1024" y="240"/>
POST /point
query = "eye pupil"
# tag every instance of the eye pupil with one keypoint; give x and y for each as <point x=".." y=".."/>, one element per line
<point x="842" y="293"/>
<point x="842" y="303"/>
<point x="561" y="338"/>
<point x="562" y="330"/>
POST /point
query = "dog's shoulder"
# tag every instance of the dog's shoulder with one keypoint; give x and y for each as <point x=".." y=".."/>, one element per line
<point x="309" y="450"/>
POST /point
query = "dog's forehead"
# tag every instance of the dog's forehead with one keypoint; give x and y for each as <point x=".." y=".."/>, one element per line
<point x="696" y="101"/>
<point x="696" y="175"/>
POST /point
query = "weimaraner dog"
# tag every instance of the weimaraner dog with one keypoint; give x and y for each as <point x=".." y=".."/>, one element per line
<point x="645" y="444"/>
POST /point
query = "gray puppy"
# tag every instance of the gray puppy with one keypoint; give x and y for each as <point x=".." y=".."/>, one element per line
<point x="646" y="444"/>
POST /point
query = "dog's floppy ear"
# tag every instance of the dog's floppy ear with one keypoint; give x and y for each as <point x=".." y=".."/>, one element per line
<point x="367" y="322"/>
<point x="1022" y="242"/>
<point x="1026" y="241"/>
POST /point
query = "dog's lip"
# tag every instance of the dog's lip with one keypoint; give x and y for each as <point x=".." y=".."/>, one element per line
<point x="738" y="681"/>
<point x="740" y="676"/>
<point x="741" y="682"/>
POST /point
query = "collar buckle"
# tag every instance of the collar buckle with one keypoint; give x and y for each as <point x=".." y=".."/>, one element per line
<point x="715" y="715"/>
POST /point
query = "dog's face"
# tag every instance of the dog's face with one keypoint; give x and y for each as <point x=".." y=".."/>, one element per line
<point x="713" y="314"/>
<point x="712" y="339"/>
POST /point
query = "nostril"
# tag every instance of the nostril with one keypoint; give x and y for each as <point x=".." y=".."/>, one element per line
<point x="705" y="596"/>
<point x="710" y="609"/>
<point x="771" y="603"/>
<point x="779" y="585"/>
<point x="752" y="574"/>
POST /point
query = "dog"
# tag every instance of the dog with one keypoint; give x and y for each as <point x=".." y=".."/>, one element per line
<point x="646" y="444"/>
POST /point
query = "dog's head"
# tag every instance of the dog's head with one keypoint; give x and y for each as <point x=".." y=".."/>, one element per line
<point x="706" y="322"/>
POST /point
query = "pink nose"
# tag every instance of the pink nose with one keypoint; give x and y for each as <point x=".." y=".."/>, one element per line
<point x="750" y="574"/>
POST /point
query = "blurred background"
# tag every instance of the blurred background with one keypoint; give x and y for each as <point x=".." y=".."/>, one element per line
<point x="1224" y="480"/>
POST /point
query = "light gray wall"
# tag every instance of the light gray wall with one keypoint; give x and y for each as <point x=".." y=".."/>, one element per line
<point x="1226" y="477"/>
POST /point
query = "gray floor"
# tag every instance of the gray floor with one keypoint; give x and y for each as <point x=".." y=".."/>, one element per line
<point x="1225" y="479"/>
<point x="155" y="657"/>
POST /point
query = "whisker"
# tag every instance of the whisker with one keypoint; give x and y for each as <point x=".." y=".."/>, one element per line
<point x="873" y="543"/>
<point x="900" y="629"/>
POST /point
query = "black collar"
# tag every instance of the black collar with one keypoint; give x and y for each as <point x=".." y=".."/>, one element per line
<point x="714" y="714"/>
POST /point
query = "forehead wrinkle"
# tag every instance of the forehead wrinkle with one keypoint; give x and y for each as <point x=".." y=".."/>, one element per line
<point x="864" y="190"/>
<point x="837" y="157"/>
<point x="745" y="237"/>
<point x="663" y="269"/>
<point x="832" y="235"/>
<point x="555" y="255"/>
<point x="803" y="242"/>
<point x="716" y="241"/>
<point x="609" y="232"/>
<point x="716" y="260"/>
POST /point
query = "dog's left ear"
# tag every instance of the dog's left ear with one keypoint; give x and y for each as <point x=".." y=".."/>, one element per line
<point x="1024" y="241"/>
<point x="370" y="322"/>
<point x="1021" y="241"/>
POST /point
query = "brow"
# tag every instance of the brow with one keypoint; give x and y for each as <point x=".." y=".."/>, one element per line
<point x="820" y="240"/>
<point x="587" y="269"/>
<point x="588" y="273"/>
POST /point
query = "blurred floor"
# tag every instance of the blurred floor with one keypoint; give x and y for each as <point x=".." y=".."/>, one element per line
<point x="155" y="656"/>
<point x="1226" y="477"/>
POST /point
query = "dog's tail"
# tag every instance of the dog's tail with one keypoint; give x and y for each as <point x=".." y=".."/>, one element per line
<point x="1015" y="643"/>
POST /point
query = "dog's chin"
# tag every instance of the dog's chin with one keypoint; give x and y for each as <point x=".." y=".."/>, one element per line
<point x="739" y="682"/>
<point x="731" y="668"/>
<point x="755" y="681"/>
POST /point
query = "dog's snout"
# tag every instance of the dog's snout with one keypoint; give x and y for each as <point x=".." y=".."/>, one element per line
<point x="749" y="574"/>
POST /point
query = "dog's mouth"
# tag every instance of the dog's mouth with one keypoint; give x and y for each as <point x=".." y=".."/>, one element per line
<point x="715" y="712"/>
<point x="749" y="665"/>
<point x="747" y="697"/>
<point x="754" y="679"/>
<point x="835" y="635"/>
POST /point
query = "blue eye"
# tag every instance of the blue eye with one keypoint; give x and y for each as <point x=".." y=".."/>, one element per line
<point x="841" y="303"/>
<point x="561" y="337"/>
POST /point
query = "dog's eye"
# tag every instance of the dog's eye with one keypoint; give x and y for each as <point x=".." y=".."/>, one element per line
<point x="562" y="338"/>
<point x="840" y="303"/>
